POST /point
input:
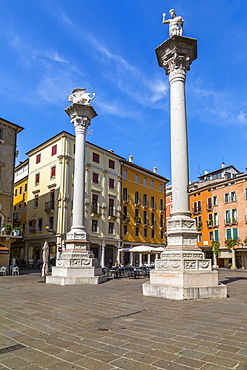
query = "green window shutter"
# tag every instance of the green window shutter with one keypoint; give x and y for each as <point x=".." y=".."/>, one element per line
<point x="235" y="233"/>
<point x="216" y="235"/>
<point x="228" y="233"/>
<point x="228" y="216"/>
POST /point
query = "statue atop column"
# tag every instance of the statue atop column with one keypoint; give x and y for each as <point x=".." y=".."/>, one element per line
<point x="80" y="96"/>
<point x="175" y="23"/>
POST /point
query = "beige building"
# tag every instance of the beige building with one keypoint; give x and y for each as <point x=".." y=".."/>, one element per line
<point x="50" y="204"/>
<point x="8" y="137"/>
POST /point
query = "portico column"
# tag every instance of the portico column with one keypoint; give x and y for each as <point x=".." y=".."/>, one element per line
<point x="102" y="262"/>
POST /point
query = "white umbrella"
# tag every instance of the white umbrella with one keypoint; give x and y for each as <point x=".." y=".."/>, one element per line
<point x="45" y="249"/>
<point x="143" y="249"/>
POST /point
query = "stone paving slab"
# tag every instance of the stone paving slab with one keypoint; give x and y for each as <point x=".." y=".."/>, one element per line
<point x="113" y="326"/>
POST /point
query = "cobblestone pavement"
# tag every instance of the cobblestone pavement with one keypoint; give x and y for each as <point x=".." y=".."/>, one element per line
<point x="113" y="326"/>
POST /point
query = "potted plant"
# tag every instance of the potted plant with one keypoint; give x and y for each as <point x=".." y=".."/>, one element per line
<point x="8" y="229"/>
<point x="137" y="219"/>
<point x="245" y="240"/>
<point x="16" y="231"/>
<point x="231" y="243"/>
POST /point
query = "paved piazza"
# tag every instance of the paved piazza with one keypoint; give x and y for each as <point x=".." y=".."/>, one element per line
<point x="113" y="326"/>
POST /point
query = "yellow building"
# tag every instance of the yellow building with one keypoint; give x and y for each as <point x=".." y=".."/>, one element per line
<point x="143" y="209"/>
<point x="20" y="210"/>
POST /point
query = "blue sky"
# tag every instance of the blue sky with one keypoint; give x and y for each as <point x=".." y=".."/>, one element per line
<point x="48" y="48"/>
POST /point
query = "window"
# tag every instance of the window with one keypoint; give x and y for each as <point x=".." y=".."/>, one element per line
<point x="25" y="207"/>
<point x="235" y="233"/>
<point x="144" y="181"/>
<point x="233" y="196"/>
<point x="111" y="228"/>
<point x="15" y="192"/>
<point x="125" y="211"/>
<point x="25" y="187"/>
<point x="245" y="193"/>
<point x="161" y="187"/>
<point x="95" y="203"/>
<point x="228" y="233"/>
<point x="125" y="194"/>
<point x="161" y="221"/>
<point x="95" y="178"/>
<point x="153" y="205"/>
<point x="145" y="200"/>
<point x="161" y="205"/>
<point x="37" y="178"/>
<point x="1" y="134"/>
<point x="216" y="235"/>
<point x="153" y="233"/>
<point x="137" y="197"/>
<point x="209" y="204"/>
<point x="38" y="158"/>
<point x="215" y="219"/>
<point x="51" y="222"/>
<point x="111" y="183"/>
<point x="215" y="201"/>
<point x="145" y="233"/>
<point x="94" y="226"/>
<point x="125" y="174"/>
<point x="54" y="150"/>
<point x="226" y="198"/>
<point x="161" y="234"/>
<point x="96" y="157"/>
<point x="152" y="219"/>
<point x="137" y="231"/>
<point x="40" y="224"/>
<point x="137" y="178"/>
<point x="145" y="220"/>
<point x="52" y="198"/>
<point x="199" y="238"/>
<point x="234" y="216"/>
<point x="36" y="201"/>
<point x="53" y="172"/>
<point x="111" y="207"/>
<point x="125" y="229"/>
<point x="211" y="235"/>
<point x="228" y="216"/>
<point x="111" y="164"/>
<point x="20" y="191"/>
<point x="152" y="184"/>
<point x="197" y="207"/>
<point x="228" y="175"/>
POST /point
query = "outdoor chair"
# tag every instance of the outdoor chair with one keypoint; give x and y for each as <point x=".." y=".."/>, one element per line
<point x="3" y="270"/>
<point x="15" y="270"/>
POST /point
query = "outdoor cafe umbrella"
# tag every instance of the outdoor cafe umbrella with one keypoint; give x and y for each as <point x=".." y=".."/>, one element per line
<point x="144" y="249"/>
<point x="45" y="249"/>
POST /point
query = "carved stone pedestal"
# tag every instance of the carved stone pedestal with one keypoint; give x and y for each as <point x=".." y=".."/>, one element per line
<point x="181" y="274"/>
<point x="76" y="265"/>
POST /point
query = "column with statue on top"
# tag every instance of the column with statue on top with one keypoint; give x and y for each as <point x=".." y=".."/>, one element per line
<point x="76" y="264"/>
<point x="182" y="272"/>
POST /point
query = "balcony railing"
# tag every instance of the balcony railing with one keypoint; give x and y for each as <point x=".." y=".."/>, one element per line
<point x="49" y="206"/>
<point x="153" y="206"/>
<point x="138" y="201"/>
<point x="126" y="198"/>
<point x="126" y="218"/>
<point x="196" y="211"/>
<point x="137" y="219"/>
<point x="145" y="203"/>
<point x="112" y="212"/>
<point x="209" y="207"/>
<point x="234" y="221"/>
<point x="95" y="210"/>
<point x="153" y="223"/>
<point x="145" y="222"/>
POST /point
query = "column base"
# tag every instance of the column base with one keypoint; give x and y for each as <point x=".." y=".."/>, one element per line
<point x="76" y="265"/>
<point x="184" y="274"/>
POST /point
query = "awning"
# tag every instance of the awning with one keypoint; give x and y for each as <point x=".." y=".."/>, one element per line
<point x="143" y="249"/>
<point x="4" y="250"/>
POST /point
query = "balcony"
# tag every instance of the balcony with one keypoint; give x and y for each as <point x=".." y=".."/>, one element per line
<point x="137" y="220"/>
<point x="49" y="206"/>
<point x="153" y="206"/>
<point x="95" y="210"/>
<point x="153" y="223"/>
<point x="209" y="207"/>
<point x="210" y="224"/>
<point x="196" y="211"/>
<point x="145" y="222"/>
<point x="138" y="201"/>
<point x="126" y="198"/>
<point x="126" y="218"/>
<point x="231" y="222"/>
<point x="111" y="212"/>
<point x="145" y="204"/>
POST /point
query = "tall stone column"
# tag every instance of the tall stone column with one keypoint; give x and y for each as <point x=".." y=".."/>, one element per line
<point x="77" y="264"/>
<point x="182" y="272"/>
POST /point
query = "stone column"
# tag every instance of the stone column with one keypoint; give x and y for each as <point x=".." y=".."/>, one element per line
<point x="77" y="264"/>
<point x="181" y="272"/>
<point x="102" y="255"/>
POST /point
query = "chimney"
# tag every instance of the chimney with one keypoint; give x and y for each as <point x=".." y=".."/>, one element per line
<point x="111" y="150"/>
<point x="223" y="165"/>
<point x="205" y="172"/>
<point x="131" y="158"/>
<point x="155" y="169"/>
